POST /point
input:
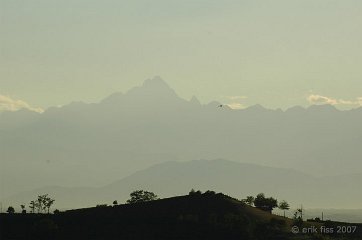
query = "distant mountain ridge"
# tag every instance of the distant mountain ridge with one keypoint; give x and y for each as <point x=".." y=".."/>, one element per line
<point x="94" y="144"/>
<point x="235" y="179"/>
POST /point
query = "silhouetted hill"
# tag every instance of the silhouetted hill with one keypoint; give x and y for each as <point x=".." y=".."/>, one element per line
<point x="206" y="216"/>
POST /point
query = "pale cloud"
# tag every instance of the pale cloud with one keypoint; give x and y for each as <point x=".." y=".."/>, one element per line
<point x="10" y="104"/>
<point x="236" y="105"/>
<point x="348" y="102"/>
<point x="319" y="99"/>
<point x="236" y="97"/>
<point x="235" y="101"/>
<point x="359" y="100"/>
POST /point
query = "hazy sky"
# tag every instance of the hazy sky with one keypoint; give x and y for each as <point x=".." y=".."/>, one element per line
<point x="278" y="53"/>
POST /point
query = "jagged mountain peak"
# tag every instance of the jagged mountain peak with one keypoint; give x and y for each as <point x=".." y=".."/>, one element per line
<point x="195" y="101"/>
<point x="256" y="108"/>
<point x="155" y="82"/>
<point x="152" y="89"/>
<point x="155" y="88"/>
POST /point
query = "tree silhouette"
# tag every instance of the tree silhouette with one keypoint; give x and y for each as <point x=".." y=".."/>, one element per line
<point x="48" y="202"/>
<point x="39" y="204"/>
<point x="298" y="217"/>
<point x="266" y="204"/>
<point x="42" y="204"/>
<point x="141" y="196"/>
<point x="283" y="205"/>
<point x="32" y="206"/>
<point x="192" y="192"/>
<point x="10" y="210"/>
<point x="209" y="193"/>
<point x="115" y="202"/>
<point x="300" y="212"/>
<point x="195" y="193"/>
<point x="249" y="200"/>
<point x="23" y="209"/>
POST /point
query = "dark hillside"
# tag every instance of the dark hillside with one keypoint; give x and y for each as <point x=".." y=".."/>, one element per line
<point x="206" y="216"/>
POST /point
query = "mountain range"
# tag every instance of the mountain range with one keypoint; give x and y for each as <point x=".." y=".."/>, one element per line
<point x="95" y="144"/>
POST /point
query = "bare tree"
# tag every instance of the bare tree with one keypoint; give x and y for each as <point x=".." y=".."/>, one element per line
<point x="45" y="202"/>
<point x="42" y="204"/>
<point x="39" y="204"/>
<point x="48" y="202"/>
<point x="32" y="206"/>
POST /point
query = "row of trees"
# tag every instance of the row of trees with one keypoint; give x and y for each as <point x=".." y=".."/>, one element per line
<point x="260" y="201"/>
<point x="41" y="205"/>
<point x="137" y="196"/>
<point x="266" y="203"/>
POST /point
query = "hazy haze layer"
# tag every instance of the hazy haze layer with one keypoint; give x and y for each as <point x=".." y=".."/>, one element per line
<point x="276" y="53"/>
